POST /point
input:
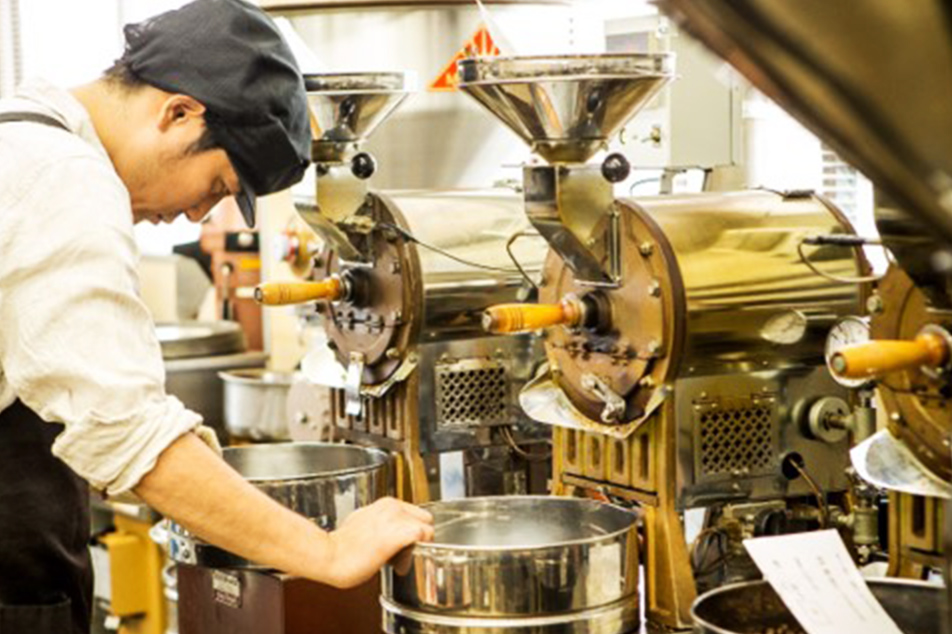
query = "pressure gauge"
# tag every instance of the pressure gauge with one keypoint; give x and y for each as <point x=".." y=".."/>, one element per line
<point x="847" y="332"/>
<point x="785" y="328"/>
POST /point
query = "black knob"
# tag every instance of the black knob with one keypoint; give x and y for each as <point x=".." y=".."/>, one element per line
<point x="616" y="168"/>
<point x="363" y="166"/>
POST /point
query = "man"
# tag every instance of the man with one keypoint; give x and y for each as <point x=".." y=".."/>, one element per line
<point x="206" y="102"/>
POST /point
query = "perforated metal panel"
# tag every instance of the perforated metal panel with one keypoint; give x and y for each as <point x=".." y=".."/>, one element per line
<point x="472" y="392"/>
<point x="739" y="439"/>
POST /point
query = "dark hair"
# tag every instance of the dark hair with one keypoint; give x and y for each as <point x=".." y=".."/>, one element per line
<point x="121" y="76"/>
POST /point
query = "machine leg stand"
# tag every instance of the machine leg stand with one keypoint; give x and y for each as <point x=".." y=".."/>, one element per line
<point x="670" y="590"/>
<point x="412" y="483"/>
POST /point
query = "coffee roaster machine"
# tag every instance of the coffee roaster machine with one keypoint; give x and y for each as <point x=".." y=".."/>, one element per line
<point x="684" y="335"/>
<point x="673" y="345"/>
<point x="688" y="352"/>
<point x="400" y="286"/>
<point x="885" y="111"/>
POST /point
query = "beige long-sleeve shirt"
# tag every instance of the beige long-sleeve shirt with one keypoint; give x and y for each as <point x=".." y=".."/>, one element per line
<point x="77" y="345"/>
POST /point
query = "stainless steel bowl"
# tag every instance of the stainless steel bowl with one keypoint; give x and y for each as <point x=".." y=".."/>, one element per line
<point x="322" y="482"/>
<point x="256" y="403"/>
<point x="754" y="607"/>
<point x="541" y="560"/>
<point x="194" y="353"/>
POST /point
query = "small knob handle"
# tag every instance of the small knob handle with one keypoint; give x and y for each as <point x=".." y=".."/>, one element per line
<point x="877" y="358"/>
<point x="515" y="318"/>
<point x="287" y="293"/>
<point x="363" y="165"/>
<point x="616" y="168"/>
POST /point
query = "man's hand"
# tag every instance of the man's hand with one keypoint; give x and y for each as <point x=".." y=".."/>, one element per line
<point x="192" y="485"/>
<point x="372" y="536"/>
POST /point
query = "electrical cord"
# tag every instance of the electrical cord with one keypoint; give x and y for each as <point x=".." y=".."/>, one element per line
<point x="410" y="237"/>
<point x="710" y="537"/>
<point x="512" y="256"/>
<point x="519" y="451"/>
<point x="843" y="241"/>
<point x="820" y="497"/>
<point x="653" y="179"/>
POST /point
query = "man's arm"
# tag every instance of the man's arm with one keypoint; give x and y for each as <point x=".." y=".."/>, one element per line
<point x="199" y="490"/>
<point x="78" y="346"/>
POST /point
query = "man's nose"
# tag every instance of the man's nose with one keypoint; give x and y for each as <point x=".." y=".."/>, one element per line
<point x="198" y="212"/>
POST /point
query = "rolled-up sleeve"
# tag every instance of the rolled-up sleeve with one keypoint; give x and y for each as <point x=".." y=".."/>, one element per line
<point x="77" y="345"/>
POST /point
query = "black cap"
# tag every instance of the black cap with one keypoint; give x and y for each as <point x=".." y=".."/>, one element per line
<point x="230" y="56"/>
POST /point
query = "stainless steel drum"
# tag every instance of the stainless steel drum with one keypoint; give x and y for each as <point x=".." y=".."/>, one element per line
<point x="532" y="565"/>
<point x="191" y="339"/>
<point x="322" y="482"/>
<point x="754" y="607"/>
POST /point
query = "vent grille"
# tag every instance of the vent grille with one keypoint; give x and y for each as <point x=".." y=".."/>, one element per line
<point x="736" y="441"/>
<point x="472" y="392"/>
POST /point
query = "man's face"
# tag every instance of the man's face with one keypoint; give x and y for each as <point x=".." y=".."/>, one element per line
<point x="172" y="178"/>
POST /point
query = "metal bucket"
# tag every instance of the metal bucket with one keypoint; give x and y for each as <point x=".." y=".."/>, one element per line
<point x="322" y="482"/>
<point x="194" y="353"/>
<point x="256" y="404"/>
<point x="754" y="607"/>
<point x="532" y="565"/>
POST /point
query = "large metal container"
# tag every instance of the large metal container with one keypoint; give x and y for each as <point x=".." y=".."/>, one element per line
<point x="884" y="109"/>
<point x="518" y="564"/>
<point x="322" y="482"/>
<point x="194" y="353"/>
<point x="426" y="302"/>
<point x="722" y="289"/>
<point x="256" y="404"/>
<point x="447" y="297"/>
<point x="750" y="608"/>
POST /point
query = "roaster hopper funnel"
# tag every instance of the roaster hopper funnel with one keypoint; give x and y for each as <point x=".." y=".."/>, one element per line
<point x="346" y="108"/>
<point x="565" y="107"/>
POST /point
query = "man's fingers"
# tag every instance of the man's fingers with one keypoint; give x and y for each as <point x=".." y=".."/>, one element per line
<point x="421" y="514"/>
<point x="403" y="561"/>
<point x="413" y="531"/>
<point x="424" y="533"/>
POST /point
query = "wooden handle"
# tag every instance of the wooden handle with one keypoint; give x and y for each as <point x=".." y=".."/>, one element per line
<point x="507" y="319"/>
<point x="884" y="357"/>
<point x="286" y="293"/>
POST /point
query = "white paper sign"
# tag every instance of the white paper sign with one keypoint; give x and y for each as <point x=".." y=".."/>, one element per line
<point x="820" y="584"/>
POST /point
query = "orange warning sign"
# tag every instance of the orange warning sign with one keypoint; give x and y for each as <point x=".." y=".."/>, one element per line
<point x="480" y="45"/>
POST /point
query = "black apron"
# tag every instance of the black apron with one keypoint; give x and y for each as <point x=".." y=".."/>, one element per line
<point x="45" y="568"/>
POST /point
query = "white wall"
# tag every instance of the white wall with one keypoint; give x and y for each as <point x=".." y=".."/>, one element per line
<point x="779" y="152"/>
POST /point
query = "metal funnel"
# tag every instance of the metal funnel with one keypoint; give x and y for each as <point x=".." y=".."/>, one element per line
<point x="565" y="107"/>
<point x="346" y="108"/>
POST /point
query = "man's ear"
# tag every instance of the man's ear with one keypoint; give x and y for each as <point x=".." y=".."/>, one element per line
<point x="180" y="109"/>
